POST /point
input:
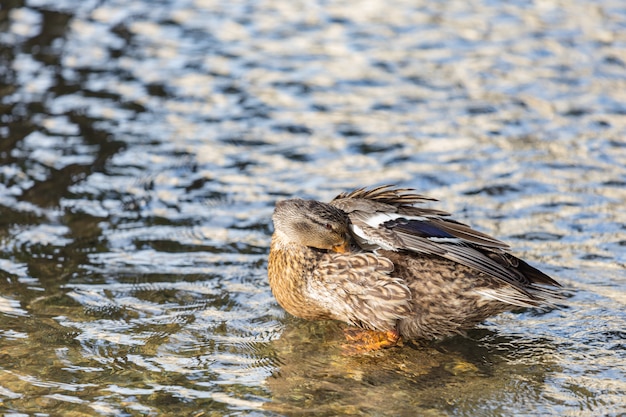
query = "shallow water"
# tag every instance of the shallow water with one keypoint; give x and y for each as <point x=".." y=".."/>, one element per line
<point x="144" y="144"/>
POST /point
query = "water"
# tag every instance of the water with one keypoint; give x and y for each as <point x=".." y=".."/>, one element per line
<point x="144" y="144"/>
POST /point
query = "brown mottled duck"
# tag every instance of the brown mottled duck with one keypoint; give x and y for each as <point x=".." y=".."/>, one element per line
<point x="373" y="259"/>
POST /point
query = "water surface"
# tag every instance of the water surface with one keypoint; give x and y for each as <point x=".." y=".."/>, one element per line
<point x="144" y="144"/>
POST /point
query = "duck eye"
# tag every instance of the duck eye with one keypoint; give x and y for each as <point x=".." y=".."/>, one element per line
<point x="328" y="226"/>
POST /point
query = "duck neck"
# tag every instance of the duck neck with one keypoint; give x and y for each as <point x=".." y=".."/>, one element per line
<point x="288" y="270"/>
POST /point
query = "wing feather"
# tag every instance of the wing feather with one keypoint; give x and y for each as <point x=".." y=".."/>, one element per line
<point x="384" y="217"/>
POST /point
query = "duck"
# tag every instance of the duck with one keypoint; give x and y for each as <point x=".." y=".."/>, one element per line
<point x="393" y="269"/>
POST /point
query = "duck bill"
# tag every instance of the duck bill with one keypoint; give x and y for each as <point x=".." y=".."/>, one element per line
<point x="342" y="247"/>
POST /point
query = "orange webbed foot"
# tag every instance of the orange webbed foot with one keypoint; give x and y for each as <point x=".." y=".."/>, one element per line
<point x="362" y="341"/>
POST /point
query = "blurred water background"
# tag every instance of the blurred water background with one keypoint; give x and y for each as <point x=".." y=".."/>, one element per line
<point x="143" y="145"/>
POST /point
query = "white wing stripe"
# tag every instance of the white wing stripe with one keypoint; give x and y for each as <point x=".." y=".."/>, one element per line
<point x="379" y="218"/>
<point x="360" y="234"/>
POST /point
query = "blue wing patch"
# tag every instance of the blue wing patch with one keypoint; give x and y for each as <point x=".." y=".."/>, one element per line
<point x="419" y="228"/>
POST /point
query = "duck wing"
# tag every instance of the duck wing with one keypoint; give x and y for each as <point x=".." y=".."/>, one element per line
<point x="386" y="218"/>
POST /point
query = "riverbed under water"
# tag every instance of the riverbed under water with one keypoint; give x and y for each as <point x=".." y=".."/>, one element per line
<point x="143" y="145"/>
